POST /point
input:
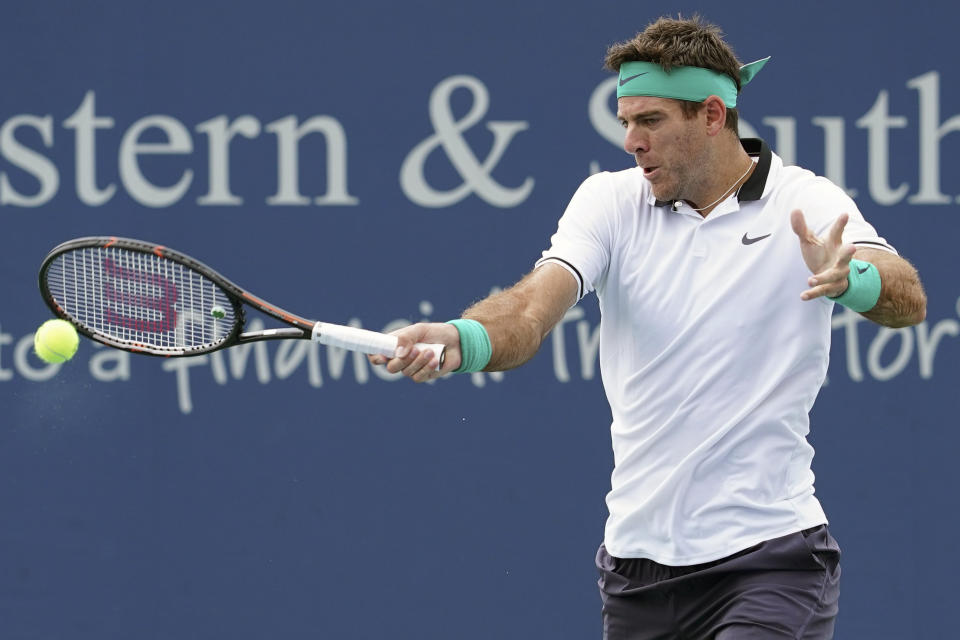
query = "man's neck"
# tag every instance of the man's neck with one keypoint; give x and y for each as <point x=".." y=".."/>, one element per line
<point x="733" y="167"/>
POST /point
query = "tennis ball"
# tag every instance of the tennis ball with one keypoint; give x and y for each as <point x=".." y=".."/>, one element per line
<point x="55" y="341"/>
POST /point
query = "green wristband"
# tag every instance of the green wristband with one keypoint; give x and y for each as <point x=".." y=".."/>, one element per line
<point x="863" y="290"/>
<point x="475" y="347"/>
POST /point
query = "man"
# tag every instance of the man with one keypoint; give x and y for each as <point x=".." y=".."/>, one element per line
<point x="717" y="269"/>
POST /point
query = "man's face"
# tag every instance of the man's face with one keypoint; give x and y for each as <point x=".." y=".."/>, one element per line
<point x="669" y="148"/>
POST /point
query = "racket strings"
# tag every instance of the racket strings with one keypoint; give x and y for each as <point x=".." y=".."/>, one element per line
<point x="140" y="299"/>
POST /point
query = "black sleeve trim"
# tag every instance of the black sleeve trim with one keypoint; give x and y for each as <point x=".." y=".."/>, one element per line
<point x="876" y="244"/>
<point x="580" y="288"/>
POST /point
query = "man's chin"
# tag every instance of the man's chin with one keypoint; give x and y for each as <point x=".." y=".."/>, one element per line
<point x="661" y="190"/>
<point x="662" y="193"/>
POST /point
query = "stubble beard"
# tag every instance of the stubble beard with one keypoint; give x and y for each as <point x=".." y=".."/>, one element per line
<point x="670" y="189"/>
<point x="684" y="182"/>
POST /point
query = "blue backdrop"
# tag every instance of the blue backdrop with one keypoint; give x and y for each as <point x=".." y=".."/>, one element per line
<point x="378" y="163"/>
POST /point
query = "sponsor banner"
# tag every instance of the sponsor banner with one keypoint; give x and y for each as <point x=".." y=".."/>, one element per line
<point x="377" y="164"/>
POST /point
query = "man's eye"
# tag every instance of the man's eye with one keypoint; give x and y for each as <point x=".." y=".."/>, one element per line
<point x="623" y="123"/>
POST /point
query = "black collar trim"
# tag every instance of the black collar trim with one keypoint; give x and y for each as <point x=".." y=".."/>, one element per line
<point x="752" y="189"/>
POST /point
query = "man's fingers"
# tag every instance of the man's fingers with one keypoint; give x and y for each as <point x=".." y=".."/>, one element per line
<point x="836" y="231"/>
<point x="831" y="290"/>
<point x="831" y="276"/>
<point x="422" y="366"/>
<point x="404" y="345"/>
<point x="420" y="369"/>
<point x="844" y="256"/>
<point x="405" y="352"/>
<point x="832" y="282"/>
<point x="401" y="363"/>
<point x="799" y="223"/>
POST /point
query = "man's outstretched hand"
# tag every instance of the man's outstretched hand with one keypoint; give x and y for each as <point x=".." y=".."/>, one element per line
<point x="827" y="258"/>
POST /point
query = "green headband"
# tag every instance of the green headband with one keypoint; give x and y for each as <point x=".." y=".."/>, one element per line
<point x="683" y="83"/>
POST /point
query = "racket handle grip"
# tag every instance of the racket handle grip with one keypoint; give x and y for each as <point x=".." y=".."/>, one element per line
<point x="366" y="341"/>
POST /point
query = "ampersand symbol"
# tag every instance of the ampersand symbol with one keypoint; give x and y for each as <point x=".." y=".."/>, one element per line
<point x="447" y="133"/>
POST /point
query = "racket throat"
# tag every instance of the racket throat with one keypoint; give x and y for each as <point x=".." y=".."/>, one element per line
<point x="270" y="334"/>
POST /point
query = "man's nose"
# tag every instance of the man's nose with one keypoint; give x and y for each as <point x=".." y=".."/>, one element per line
<point x="634" y="142"/>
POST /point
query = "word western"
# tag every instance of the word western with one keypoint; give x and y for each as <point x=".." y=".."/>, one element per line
<point x="156" y="145"/>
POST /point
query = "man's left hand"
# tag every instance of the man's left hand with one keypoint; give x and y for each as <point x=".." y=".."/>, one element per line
<point x="827" y="258"/>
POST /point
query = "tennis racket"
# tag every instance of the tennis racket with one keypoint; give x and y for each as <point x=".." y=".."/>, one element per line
<point x="146" y="298"/>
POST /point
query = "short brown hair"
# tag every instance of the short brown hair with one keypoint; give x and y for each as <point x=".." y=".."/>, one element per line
<point x="691" y="42"/>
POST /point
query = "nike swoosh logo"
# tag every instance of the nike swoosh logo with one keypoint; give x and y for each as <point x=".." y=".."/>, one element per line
<point x="624" y="81"/>
<point x="859" y="270"/>
<point x="747" y="240"/>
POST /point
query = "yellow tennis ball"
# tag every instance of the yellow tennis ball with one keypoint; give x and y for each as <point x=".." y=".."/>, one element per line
<point x="55" y="341"/>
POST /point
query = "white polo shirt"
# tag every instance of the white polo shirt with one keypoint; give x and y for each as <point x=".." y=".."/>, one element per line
<point x="710" y="360"/>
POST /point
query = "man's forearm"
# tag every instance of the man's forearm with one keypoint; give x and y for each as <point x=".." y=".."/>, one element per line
<point x="902" y="301"/>
<point x="518" y="319"/>
<point x="515" y="337"/>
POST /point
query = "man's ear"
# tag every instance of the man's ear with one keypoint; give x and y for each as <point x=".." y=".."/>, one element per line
<point x="716" y="114"/>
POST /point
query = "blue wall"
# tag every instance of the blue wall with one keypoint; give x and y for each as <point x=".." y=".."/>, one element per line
<point x="297" y="493"/>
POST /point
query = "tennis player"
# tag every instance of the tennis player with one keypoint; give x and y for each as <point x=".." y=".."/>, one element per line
<point x="717" y="269"/>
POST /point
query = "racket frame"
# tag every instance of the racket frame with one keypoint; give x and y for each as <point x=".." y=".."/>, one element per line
<point x="299" y="327"/>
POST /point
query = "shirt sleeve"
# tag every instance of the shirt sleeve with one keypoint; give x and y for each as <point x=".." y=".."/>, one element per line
<point x="824" y="201"/>
<point x="582" y="242"/>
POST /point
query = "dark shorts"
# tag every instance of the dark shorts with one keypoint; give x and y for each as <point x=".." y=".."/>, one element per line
<point x="787" y="587"/>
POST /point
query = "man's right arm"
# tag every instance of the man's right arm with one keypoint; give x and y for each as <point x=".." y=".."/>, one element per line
<point x="517" y="320"/>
